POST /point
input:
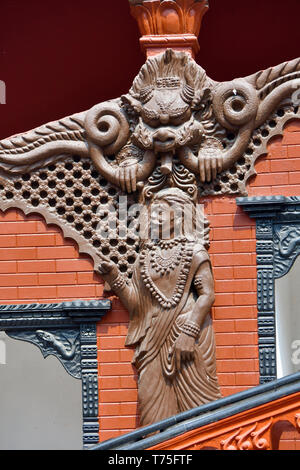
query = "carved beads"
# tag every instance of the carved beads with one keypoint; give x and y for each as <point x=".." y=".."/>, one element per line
<point x="198" y="282"/>
<point x="118" y="283"/>
<point x="191" y="329"/>
<point x="163" y="264"/>
<point x="186" y="248"/>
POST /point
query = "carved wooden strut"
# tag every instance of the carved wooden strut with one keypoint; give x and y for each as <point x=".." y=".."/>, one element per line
<point x="175" y="134"/>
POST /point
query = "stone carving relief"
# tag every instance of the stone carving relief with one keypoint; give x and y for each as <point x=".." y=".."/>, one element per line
<point x="175" y="136"/>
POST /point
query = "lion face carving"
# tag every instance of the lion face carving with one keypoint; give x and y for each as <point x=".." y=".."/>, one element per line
<point x="163" y="95"/>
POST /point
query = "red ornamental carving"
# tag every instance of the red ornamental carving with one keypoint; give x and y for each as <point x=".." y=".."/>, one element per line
<point x="251" y="439"/>
<point x="169" y="23"/>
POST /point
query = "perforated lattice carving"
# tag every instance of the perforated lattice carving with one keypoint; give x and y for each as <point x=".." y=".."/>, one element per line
<point x="73" y="191"/>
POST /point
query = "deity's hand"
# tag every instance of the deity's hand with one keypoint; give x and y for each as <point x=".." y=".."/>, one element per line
<point x="184" y="348"/>
<point x="127" y="172"/>
<point x="107" y="268"/>
<point x="209" y="166"/>
<point x="210" y="159"/>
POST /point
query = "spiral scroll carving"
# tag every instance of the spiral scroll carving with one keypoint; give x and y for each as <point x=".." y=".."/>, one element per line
<point x="235" y="103"/>
<point x="106" y="125"/>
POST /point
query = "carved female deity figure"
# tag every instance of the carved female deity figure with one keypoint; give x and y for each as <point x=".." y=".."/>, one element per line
<point x="169" y="299"/>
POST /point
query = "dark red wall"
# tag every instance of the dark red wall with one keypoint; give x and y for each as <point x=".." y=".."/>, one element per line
<point x="62" y="56"/>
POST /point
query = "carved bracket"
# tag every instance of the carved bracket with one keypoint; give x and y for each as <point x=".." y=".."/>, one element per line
<point x="68" y="331"/>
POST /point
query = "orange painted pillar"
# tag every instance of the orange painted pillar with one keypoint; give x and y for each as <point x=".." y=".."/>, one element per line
<point x="167" y="24"/>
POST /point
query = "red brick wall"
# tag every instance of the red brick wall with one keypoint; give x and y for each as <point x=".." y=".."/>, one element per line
<point x="117" y="377"/>
<point x="37" y="264"/>
<point x="232" y="254"/>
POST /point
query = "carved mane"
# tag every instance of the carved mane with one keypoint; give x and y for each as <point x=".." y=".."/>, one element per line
<point x="170" y="64"/>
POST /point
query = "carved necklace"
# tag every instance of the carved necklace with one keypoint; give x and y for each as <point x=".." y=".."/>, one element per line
<point x="186" y="258"/>
<point x="164" y="265"/>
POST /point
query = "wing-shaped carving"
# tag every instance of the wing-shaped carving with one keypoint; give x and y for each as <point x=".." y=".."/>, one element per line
<point x="102" y="131"/>
<point x="238" y="108"/>
<point x="24" y="152"/>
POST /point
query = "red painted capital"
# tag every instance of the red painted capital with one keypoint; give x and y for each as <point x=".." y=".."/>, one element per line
<point x="169" y="24"/>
